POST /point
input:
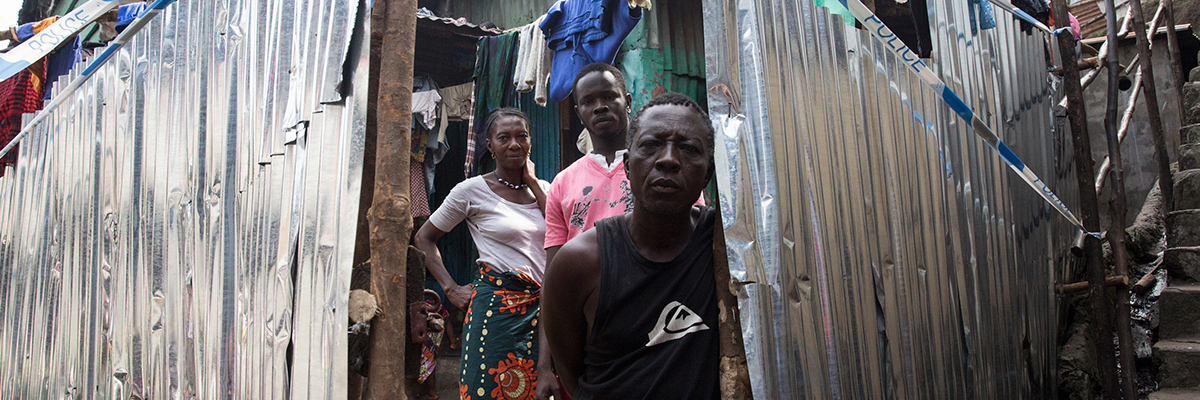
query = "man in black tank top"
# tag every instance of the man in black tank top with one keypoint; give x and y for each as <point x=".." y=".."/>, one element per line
<point x="630" y="308"/>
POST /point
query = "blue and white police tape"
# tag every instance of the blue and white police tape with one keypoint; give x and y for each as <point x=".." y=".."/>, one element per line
<point x="50" y="38"/>
<point x="1021" y="14"/>
<point x="892" y="42"/>
<point x="99" y="61"/>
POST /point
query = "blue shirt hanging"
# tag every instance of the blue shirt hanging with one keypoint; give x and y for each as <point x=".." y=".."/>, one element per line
<point x="581" y="32"/>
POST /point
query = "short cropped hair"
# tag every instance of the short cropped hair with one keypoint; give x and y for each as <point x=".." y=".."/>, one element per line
<point x="598" y="67"/>
<point x="677" y="99"/>
<point x="505" y="112"/>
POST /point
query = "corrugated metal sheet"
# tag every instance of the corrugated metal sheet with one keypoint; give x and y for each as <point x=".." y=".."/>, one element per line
<point x="665" y="53"/>
<point x="183" y="226"/>
<point x="879" y="249"/>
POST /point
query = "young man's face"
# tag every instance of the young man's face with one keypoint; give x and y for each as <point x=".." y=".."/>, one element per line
<point x="668" y="163"/>
<point x="602" y="104"/>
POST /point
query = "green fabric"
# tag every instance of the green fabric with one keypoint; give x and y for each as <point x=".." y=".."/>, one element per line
<point x="836" y="7"/>
<point x="499" y="342"/>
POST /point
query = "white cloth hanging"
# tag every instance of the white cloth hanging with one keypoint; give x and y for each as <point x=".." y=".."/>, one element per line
<point x="533" y="61"/>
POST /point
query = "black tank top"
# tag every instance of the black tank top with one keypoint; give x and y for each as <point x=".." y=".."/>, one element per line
<point x="655" y="330"/>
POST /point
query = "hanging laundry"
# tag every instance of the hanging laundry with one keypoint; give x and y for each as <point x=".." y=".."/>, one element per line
<point x="17" y="97"/>
<point x="456" y="106"/>
<point x="456" y="101"/>
<point x="1038" y="9"/>
<point x="419" y="138"/>
<point x="60" y="62"/>
<point x="581" y="32"/>
<point x="533" y="64"/>
<point x="494" y="65"/>
<point x="110" y="27"/>
<point x="982" y="15"/>
<point x="425" y="104"/>
<point x="25" y="31"/>
<point x="424" y="83"/>
<point x="418" y="200"/>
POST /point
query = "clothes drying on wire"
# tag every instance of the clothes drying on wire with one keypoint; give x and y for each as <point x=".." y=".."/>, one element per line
<point x="494" y="65"/>
<point x="581" y="32"/>
<point x="533" y="64"/>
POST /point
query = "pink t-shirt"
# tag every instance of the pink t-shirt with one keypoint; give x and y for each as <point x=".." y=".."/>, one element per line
<point x="583" y="193"/>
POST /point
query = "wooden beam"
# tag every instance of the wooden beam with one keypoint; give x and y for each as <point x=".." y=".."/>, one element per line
<point x="393" y="36"/>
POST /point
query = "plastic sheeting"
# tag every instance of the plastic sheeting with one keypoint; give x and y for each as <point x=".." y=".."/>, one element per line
<point x="879" y="249"/>
<point x="182" y="227"/>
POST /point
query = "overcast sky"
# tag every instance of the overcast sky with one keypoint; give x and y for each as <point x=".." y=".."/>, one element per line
<point x="8" y="16"/>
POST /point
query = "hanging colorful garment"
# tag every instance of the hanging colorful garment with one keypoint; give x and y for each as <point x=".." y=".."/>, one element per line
<point x="18" y="95"/>
<point x="418" y="197"/>
<point x="581" y="32"/>
<point x="500" y="343"/>
<point x="495" y="64"/>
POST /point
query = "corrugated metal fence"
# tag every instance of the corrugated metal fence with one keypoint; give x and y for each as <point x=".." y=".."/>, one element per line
<point x="881" y="250"/>
<point x="182" y="227"/>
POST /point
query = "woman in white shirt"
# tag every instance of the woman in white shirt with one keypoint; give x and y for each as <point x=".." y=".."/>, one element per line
<point x="504" y="210"/>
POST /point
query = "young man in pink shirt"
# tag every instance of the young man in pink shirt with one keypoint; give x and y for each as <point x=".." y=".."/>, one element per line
<point x="594" y="187"/>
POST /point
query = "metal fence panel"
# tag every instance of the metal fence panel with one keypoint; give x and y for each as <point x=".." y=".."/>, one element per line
<point x="879" y="249"/>
<point x="188" y="214"/>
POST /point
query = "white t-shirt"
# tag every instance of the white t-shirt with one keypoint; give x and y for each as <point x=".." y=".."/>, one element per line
<point x="509" y="235"/>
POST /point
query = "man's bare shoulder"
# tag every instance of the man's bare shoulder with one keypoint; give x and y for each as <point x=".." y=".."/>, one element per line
<point x="580" y="255"/>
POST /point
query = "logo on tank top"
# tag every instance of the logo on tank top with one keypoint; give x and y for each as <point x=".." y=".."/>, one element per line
<point x="675" y="321"/>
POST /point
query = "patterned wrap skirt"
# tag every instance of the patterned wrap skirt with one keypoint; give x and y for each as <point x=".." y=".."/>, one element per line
<point x="499" y="338"/>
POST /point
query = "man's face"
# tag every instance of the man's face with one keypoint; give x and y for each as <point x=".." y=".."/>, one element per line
<point x="668" y="163"/>
<point x="602" y="104"/>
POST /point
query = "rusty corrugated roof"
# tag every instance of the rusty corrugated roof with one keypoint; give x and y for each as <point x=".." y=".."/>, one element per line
<point x="1091" y="20"/>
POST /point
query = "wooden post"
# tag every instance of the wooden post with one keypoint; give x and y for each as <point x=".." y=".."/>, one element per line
<point x="735" y="375"/>
<point x="1088" y="207"/>
<point x="1151" y="92"/>
<point x="1176" y="68"/>
<point x="393" y="35"/>
<point x="1116" y="205"/>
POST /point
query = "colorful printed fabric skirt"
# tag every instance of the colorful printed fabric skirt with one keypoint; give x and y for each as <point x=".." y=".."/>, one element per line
<point x="499" y="338"/>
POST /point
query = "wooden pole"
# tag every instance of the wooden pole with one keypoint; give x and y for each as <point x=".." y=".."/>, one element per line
<point x="1151" y="92"/>
<point x="735" y="374"/>
<point x="393" y="35"/>
<point x="1176" y="67"/>
<point x="1116" y="204"/>
<point x="1088" y="207"/>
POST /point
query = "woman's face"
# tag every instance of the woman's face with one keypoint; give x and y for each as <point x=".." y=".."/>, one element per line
<point x="508" y="140"/>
